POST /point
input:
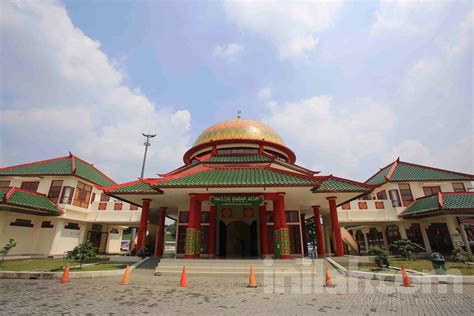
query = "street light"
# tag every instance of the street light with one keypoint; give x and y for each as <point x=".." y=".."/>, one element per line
<point x="147" y="144"/>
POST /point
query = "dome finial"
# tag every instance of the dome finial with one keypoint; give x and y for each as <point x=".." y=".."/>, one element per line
<point x="238" y="113"/>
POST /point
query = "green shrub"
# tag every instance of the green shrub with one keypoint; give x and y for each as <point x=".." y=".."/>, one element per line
<point x="406" y="248"/>
<point x="381" y="257"/>
<point x="459" y="255"/>
<point x="6" y="249"/>
<point x="83" y="253"/>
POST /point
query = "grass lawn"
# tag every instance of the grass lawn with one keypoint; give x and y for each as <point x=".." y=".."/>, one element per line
<point x="424" y="265"/>
<point x="421" y="265"/>
<point x="38" y="264"/>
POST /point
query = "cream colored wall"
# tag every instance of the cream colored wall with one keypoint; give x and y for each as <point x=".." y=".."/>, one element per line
<point x="114" y="240"/>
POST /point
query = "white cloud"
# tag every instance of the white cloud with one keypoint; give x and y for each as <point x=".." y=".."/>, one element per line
<point x="60" y="92"/>
<point x="457" y="157"/>
<point x="408" y="17"/>
<point x="229" y="52"/>
<point x="321" y="130"/>
<point x="264" y="93"/>
<point x="292" y="26"/>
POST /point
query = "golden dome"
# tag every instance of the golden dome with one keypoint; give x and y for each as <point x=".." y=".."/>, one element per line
<point x="239" y="129"/>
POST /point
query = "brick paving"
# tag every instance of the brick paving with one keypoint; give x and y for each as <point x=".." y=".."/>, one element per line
<point x="148" y="294"/>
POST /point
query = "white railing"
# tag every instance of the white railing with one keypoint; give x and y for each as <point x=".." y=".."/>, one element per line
<point x="368" y="211"/>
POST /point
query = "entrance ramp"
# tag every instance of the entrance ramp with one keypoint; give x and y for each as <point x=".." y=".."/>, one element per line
<point x="236" y="266"/>
<point x="350" y="241"/>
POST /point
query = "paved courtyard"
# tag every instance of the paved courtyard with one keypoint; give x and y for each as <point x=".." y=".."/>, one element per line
<point x="148" y="294"/>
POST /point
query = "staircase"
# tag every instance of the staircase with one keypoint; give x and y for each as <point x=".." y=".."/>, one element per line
<point x="235" y="266"/>
<point x="350" y="241"/>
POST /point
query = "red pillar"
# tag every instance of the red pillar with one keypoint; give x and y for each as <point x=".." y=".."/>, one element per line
<point x="212" y="230"/>
<point x="319" y="231"/>
<point x="263" y="229"/>
<point x="304" y="233"/>
<point x="283" y="230"/>
<point x="143" y="224"/>
<point x="335" y="226"/>
<point x="191" y="230"/>
<point x="160" y="234"/>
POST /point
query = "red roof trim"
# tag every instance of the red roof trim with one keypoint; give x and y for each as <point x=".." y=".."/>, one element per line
<point x="73" y="163"/>
<point x="440" y="199"/>
<point x="381" y="169"/>
<point x="9" y="194"/>
<point x="392" y="170"/>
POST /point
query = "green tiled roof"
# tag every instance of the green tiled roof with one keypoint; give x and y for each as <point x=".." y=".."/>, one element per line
<point x="28" y="200"/>
<point x="294" y="167"/>
<point x="237" y="177"/>
<point x="411" y="172"/>
<point x="60" y="166"/>
<point x="137" y="187"/>
<point x="339" y="185"/>
<point x="451" y="201"/>
<point x="238" y="158"/>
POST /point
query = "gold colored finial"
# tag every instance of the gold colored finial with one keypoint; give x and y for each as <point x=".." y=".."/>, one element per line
<point x="238" y="113"/>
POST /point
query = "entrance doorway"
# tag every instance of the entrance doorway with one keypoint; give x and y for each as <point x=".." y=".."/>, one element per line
<point x="98" y="239"/>
<point x="439" y="238"/>
<point x="238" y="239"/>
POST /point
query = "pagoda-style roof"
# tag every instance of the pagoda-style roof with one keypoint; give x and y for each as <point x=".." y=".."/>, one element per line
<point x="238" y="158"/>
<point x="442" y="203"/>
<point x="335" y="184"/>
<point x="25" y="201"/>
<point x="237" y="177"/>
<point x="62" y="166"/>
<point x="405" y="171"/>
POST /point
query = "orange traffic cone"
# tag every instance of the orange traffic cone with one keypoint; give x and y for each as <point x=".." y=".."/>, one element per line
<point x="406" y="279"/>
<point x="126" y="276"/>
<point x="184" y="279"/>
<point x="328" y="282"/>
<point x="252" y="281"/>
<point x="65" y="277"/>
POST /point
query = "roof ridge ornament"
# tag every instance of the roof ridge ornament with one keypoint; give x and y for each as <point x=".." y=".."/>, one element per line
<point x="238" y="114"/>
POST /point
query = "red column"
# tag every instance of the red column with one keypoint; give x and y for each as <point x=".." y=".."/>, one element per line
<point x="143" y="224"/>
<point x="190" y="231"/>
<point x="304" y="233"/>
<point x="335" y="226"/>
<point x="263" y="229"/>
<point x="212" y="230"/>
<point x="160" y="234"/>
<point x="319" y="231"/>
<point x="284" y="238"/>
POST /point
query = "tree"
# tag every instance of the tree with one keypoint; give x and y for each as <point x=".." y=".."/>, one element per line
<point x="171" y="229"/>
<point x="406" y="248"/>
<point x="6" y="249"/>
<point x="83" y="253"/>
<point x="381" y="257"/>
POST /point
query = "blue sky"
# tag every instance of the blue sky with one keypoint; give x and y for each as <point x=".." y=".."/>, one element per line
<point x="350" y="86"/>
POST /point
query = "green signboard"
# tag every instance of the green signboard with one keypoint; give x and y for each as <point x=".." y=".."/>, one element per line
<point x="244" y="200"/>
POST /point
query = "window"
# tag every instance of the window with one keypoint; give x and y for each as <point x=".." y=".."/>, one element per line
<point x="405" y="193"/>
<point x="392" y="233"/>
<point x="204" y="217"/>
<point x="375" y="238"/>
<point x="459" y="187"/>
<point x="4" y="183"/>
<point x="74" y="226"/>
<point x="46" y="224"/>
<point x="83" y="195"/>
<point x="181" y="238"/>
<point x="294" y="236"/>
<point x="66" y="196"/>
<point x="431" y="190"/>
<point x="55" y="190"/>
<point x="204" y="242"/>
<point x="104" y="197"/>
<point x="270" y="217"/>
<point x="382" y="195"/>
<point x="118" y="206"/>
<point x="291" y="216"/>
<point x="93" y="197"/>
<point x="22" y="223"/>
<point x="30" y="185"/>
<point x="360" y="238"/>
<point x="366" y="197"/>
<point x="414" y="234"/>
<point x="395" y="198"/>
<point x="183" y="217"/>
<point x="133" y="207"/>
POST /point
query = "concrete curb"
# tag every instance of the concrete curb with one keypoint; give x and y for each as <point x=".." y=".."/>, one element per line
<point x="72" y="275"/>
<point x="416" y="279"/>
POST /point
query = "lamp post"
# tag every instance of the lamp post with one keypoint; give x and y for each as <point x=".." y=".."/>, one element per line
<point x="147" y="144"/>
